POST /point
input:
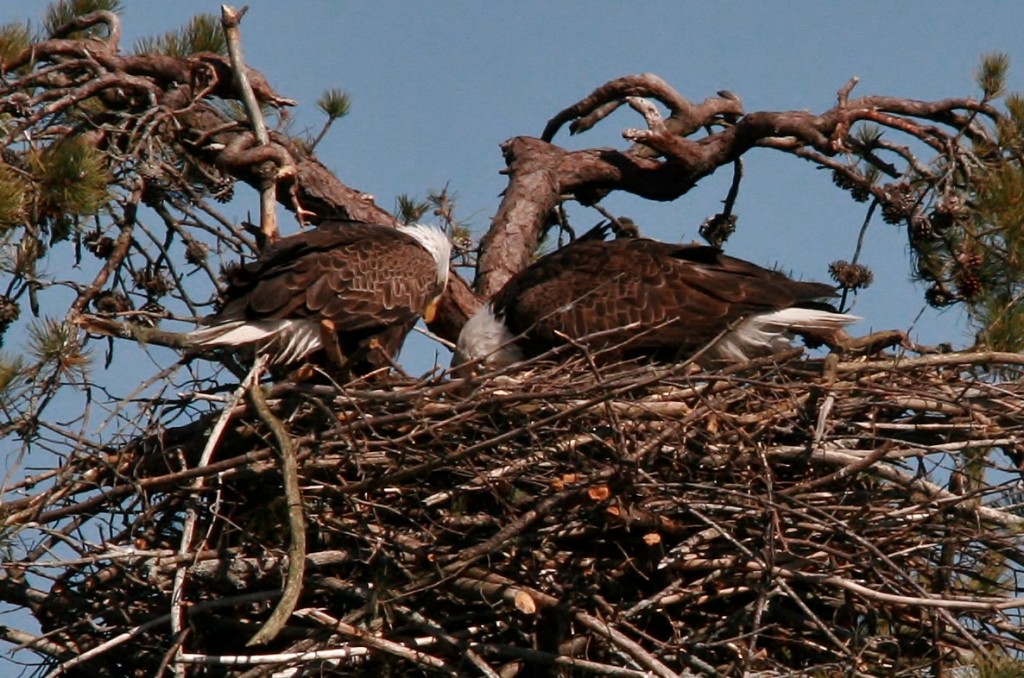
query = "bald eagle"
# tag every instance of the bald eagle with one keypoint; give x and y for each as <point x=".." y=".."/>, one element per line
<point x="637" y="297"/>
<point x="351" y="289"/>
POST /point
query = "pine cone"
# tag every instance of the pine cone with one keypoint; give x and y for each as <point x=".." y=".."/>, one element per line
<point x="196" y="252"/>
<point x="968" y="285"/>
<point x="717" y="229"/>
<point x="152" y="313"/>
<point x="898" y="204"/>
<point x="921" y="229"/>
<point x="969" y="262"/>
<point x="967" y="278"/>
<point x="939" y="297"/>
<point x="842" y="180"/>
<point x="858" y="189"/>
<point x="9" y="310"/>
<point x="154" y="283"/>
<point x="110" y="302"/>
<point x="99" y="245"/>
<point x="947" y="213"/>
<point x="851" y="276"/>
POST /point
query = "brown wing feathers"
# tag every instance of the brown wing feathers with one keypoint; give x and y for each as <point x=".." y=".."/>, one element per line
<point x="680" y="295"/>
<point x="368" y="283"/>
<point x="337" y="273"/>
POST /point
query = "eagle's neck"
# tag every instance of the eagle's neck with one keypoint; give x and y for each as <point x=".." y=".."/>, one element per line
<point x="435" y="241"/>
<point x="486" y="338"/>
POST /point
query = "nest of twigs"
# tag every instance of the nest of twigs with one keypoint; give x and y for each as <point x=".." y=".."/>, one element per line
<point x="786" y="517"/>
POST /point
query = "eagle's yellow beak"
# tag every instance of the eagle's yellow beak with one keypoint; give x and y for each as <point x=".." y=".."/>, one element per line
<point x="431" y="311"/>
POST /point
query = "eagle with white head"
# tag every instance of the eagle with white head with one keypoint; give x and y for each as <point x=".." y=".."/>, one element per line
<point x="351" y="289"/>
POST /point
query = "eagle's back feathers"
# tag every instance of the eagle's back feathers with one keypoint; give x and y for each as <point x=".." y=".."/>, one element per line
<point x="361" y="279"/>
<point x="655" y="299"/>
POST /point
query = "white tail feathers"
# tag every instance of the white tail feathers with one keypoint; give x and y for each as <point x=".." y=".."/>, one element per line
<point x="284" y="340"/>
<point x="769" y="333"/>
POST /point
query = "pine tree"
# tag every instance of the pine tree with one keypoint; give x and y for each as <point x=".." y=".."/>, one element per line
<point x="766" y="517"/>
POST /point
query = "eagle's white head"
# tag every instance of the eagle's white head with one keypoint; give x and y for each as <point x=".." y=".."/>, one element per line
<point x="484" y="342"/>
<point x="435" y="241"/>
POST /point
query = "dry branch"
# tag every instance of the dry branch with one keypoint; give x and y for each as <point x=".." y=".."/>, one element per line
<point x="729" y="522"/>
<point x="782" y="515"/>
<point x="669" y="159"/>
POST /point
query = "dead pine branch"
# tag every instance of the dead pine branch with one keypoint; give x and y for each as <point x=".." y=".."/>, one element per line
<point x="230" y="20"/>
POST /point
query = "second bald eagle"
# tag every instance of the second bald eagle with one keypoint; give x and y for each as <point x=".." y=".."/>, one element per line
<point x="638" y="297"/>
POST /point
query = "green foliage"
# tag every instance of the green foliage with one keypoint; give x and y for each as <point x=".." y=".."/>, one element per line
<point x="55" y="343"/>
<point x="999" y="667"/>
<point x="60" y="13"/>
<point x="14" y="191"/>
<point x="440" y="204"/>
<point x="335" y="102"/>
<point x="202" y="34"/>
<point x="999" y="201"/>
<point x="14" y="39"/>
<point x="443" y="203"/>
<point x="998" y="311"/>
<point x="991" y="75"/>
<point x="409" y="209"/>
<point x="1001" y="322"/>
<point x="12" y="377"/>
<point x="1009" y="131"/>
<point x="73" y="178"/>
<point x="30" y="249"/>
<point x="1015" y="109"/>
<point x="867" y="134"/>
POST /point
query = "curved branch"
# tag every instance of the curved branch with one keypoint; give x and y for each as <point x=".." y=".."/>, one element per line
<point x="685" y="118"/>
<point x="166" y="72"/>
<point x="91" y="19"/>
<point x="533" y="191"/>
<point x="296" y="520"/>
<point x="667" y="164"/>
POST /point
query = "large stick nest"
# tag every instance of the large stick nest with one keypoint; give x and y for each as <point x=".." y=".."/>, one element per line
<point x="779" y="516"/>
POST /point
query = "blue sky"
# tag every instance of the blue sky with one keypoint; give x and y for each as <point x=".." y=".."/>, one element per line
<point x="437" y="87"/>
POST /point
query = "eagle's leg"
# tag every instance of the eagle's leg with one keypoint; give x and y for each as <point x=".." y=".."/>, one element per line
<point x="329" y="340"/>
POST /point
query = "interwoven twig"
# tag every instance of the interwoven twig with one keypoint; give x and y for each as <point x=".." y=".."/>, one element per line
<point x="647" y="520"/>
